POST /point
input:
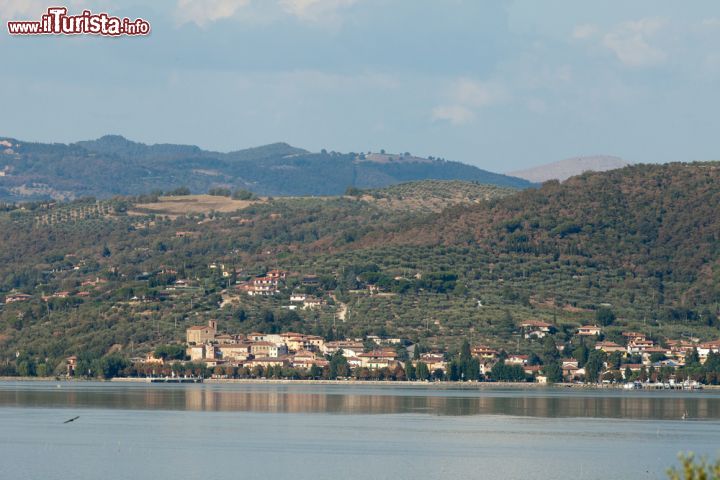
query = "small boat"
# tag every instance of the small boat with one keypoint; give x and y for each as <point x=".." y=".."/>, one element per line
<point x="633" y="386"/>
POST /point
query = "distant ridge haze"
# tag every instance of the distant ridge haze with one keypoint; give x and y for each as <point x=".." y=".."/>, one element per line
<point x="113" y="165"/>
<point x="564" y="169"/>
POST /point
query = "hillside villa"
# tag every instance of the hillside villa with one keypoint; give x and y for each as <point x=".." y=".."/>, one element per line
<point x="17" y="297"/>
<point x="589" y="331"/>
<point x="535" y="328"/>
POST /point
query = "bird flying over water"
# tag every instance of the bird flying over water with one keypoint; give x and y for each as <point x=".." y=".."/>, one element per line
<point x="72" y="419"/>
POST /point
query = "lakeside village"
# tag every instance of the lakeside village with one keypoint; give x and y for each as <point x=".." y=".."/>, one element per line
<point x="211" y="354"/>
<point x="636" y="361"/>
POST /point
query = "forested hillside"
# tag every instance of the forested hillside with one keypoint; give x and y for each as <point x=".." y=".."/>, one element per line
<point x="114" y="276"/>
<point x="113" y="165"/>
<point x="654" y="222"/>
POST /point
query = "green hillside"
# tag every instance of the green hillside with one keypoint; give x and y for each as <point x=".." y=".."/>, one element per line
<point x="641" y="242"/>
<point x="653" y="223"/>
<point x="433" y="195"/>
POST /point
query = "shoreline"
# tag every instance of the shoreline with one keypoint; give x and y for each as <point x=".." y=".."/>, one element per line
<point x="352" y="383"/>
<point x="444" y="385"/>
<point x="405" y="384"/>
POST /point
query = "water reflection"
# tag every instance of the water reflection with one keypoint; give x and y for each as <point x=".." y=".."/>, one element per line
<point x="365" y="400"/>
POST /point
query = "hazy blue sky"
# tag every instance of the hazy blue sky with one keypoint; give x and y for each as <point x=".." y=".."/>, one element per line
<point x="501" y="84"/>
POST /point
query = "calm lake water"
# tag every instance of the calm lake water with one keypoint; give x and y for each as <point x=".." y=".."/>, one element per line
<point x="345" y="432"/>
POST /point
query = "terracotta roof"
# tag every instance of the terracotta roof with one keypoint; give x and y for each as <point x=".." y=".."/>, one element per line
<point x="305" y="354"/>
<point x="633" y="334"/>
<point x="378" y="354"/>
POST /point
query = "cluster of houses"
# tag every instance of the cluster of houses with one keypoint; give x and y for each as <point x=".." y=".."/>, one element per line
<point x="205" y="344"/>
<point x="22" y="297"/>
<point x="638" y="346"/>
<point x="296" y="350"/>
<point x="85" y="286"/>
<point x="273" y="281"/>
<point x="266" y="285"/>
<point x="537" y="329"/>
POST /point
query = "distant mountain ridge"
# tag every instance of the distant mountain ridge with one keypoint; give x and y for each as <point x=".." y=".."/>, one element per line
<point x="564" y="169"/>
<point x="113" y="165"/>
